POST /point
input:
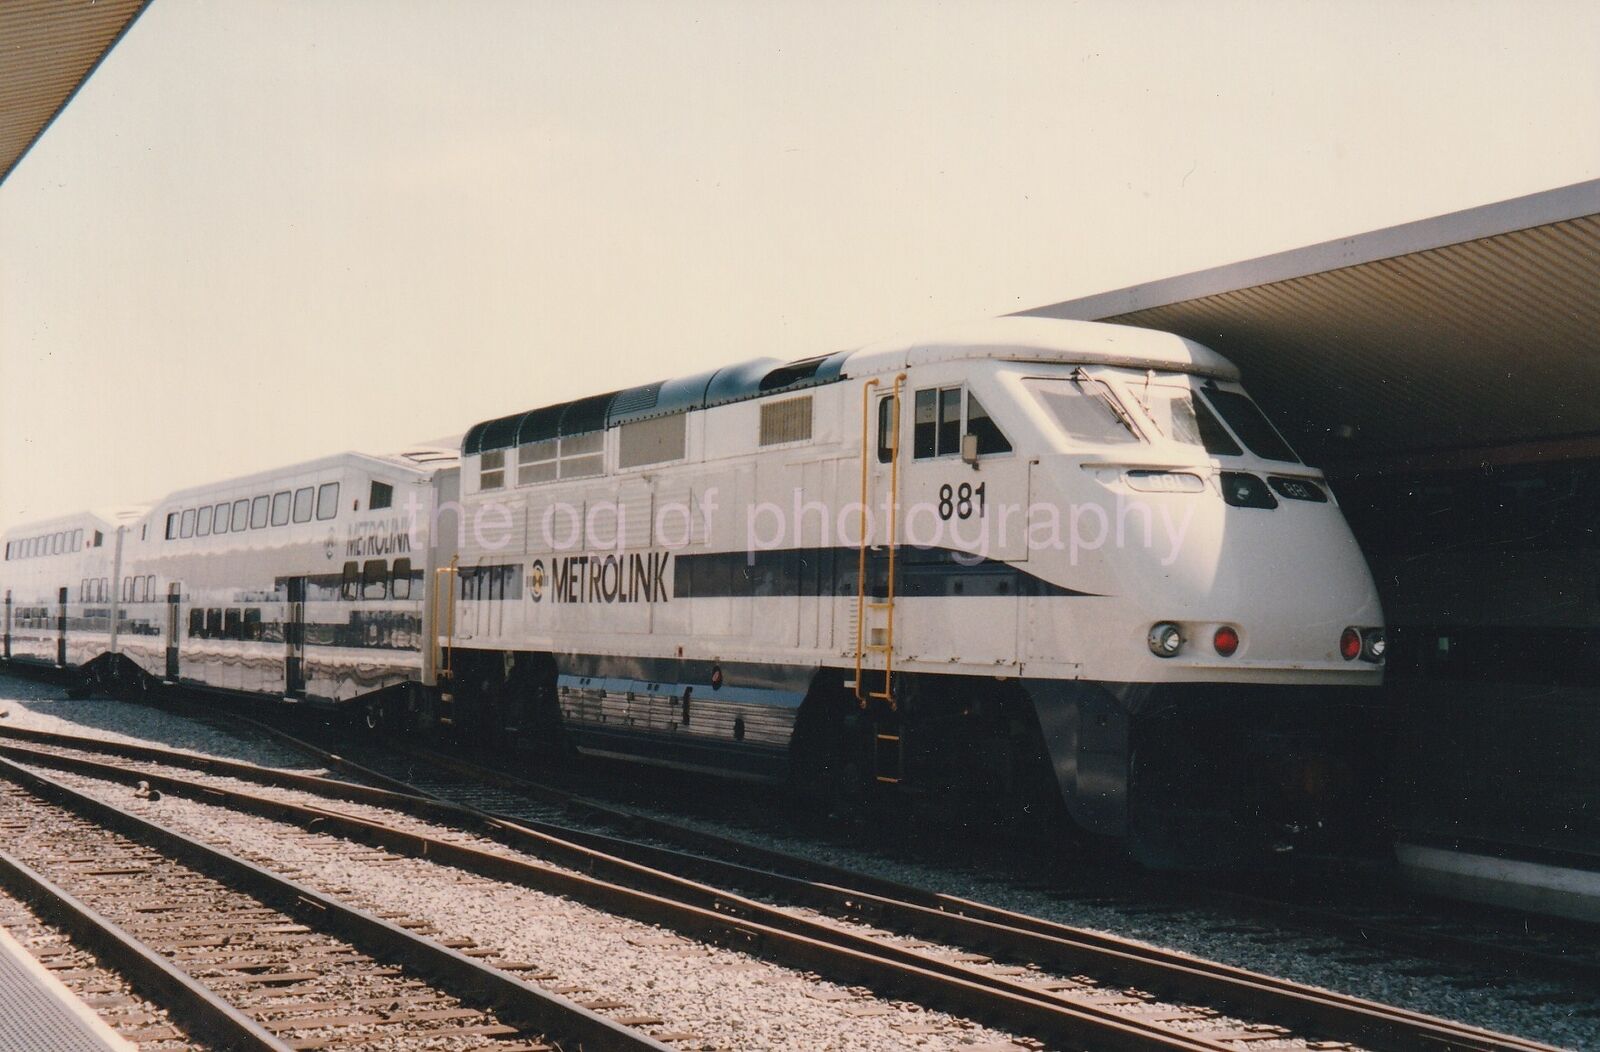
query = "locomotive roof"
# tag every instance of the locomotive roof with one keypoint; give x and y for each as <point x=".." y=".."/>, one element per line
<point x="1010" y="339"/>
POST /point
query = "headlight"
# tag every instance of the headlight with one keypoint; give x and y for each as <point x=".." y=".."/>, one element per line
<point x="1165" y="639"/>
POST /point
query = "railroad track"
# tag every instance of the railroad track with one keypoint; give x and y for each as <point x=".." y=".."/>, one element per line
<point x="1024" y="974"/>
<point x="248" y="959"/>
<point x="1344" y="908"/>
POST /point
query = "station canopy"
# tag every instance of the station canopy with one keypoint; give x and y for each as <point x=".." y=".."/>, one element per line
<point x="48" y="48"/>
<point x="1469" y="336"/>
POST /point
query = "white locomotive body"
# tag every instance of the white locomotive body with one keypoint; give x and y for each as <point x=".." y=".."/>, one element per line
<point x="684" y="572"/>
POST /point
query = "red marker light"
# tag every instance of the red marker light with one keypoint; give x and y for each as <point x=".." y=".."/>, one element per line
<point x="1350" y="644"/>
<point x="1226" y="641"/>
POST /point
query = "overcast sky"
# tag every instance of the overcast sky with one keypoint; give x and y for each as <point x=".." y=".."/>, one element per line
<point x="265" y="231"/>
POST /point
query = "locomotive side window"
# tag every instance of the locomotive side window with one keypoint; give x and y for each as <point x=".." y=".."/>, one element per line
<point x="536" y="462"/>
<point x="280" y="508"/>
<point x="1086" y="409"/>
<point x="888" y="429"/>
<point x="381" y="496"/>
<point x="258" y="512"/>
<point x="938" y="418"/>
<point x="327" y="500"/>
<point x="583" y="455"/>
<point x="492" y="469"/>
<point x="302" y="504"/>
<point x="979" y="422"/>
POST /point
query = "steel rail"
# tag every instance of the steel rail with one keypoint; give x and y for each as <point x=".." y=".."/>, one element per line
<point x="1062" y="947"/>
<point x="454" y="972"/>
<point x="201" y="1012"/>
<point x="701" y="912"/>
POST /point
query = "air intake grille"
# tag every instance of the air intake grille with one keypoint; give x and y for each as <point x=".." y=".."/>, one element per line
<point x="786" y="421"/>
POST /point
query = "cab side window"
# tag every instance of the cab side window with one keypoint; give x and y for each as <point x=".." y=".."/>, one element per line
<point x="940" y="416"/>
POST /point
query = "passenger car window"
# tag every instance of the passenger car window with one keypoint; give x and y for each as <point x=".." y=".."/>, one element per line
<point x="186" y="526"/>
<point x="375" y="579"/>
<point x="349" y="580"/>
<point x="258" y="513"/>
<point x="280" y="508"/>
<point x="402" y="578"/>
<point x="327" y="500"/>
<point x="219" y="518"/>
<point x="241" y="515"/>
<point x="302" y="504"/>
<point x="202" y="522"/>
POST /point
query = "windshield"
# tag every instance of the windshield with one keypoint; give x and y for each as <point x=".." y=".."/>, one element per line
<point x="1250" y="424"/>
<point x="1178" y="416"/>
<point x="1086" y="409"/>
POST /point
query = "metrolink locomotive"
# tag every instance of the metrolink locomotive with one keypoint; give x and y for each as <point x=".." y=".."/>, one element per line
<point x="1033" y="562"/>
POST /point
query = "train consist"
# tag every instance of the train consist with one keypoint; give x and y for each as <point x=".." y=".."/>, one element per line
<point x="1033" y="562"/>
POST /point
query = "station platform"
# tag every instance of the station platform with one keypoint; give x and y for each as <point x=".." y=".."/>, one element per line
<point x="1494" y="874"/>
<point x="41" y="1014"/>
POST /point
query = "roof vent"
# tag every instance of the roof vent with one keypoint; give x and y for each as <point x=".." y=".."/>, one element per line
<point x="792" y="373"/>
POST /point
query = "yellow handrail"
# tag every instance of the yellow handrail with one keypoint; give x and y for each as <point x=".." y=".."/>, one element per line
<point x="891" y="512"/>
<point x="861" y="561"/>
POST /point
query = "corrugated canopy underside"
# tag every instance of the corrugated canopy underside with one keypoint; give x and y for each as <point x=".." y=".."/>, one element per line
<point x="48" y="48"/>
<point x="1472" y="329"/>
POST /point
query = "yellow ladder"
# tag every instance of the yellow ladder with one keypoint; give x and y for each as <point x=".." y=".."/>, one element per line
<point x="873" y="637"/>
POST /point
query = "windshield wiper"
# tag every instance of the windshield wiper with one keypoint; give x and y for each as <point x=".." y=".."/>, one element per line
<point x="1098" y="390"/>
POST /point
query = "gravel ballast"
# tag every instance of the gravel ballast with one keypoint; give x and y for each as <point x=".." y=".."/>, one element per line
<point x="1527" y="1006"/>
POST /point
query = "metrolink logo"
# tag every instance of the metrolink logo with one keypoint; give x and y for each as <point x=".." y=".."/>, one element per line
<point x="378" y="537"/>
<point x="639" y="577"/>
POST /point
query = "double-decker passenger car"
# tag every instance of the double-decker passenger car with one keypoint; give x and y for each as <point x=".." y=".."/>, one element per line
<point x="1031" y="553"/>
